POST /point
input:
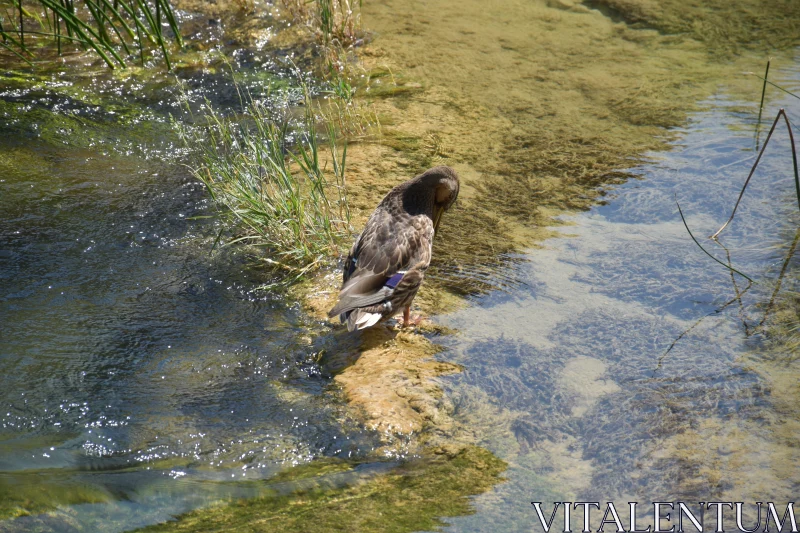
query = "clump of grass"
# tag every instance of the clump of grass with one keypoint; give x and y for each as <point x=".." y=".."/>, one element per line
<point x="110" y="28"/>
<point x="332" y="21"/>
<point x="272" y="185"/>
<point x="336" y="24"/>
<point x="352" y="117"/>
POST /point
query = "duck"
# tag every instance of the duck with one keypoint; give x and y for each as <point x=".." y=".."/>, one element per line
<point x="386" y="265"/>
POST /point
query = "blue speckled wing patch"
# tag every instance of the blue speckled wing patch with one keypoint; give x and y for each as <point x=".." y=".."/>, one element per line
<point x="394" y="280"/>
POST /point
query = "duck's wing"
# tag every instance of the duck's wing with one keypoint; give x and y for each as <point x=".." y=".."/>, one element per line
<point x="390" y="244"/>
<point x="350" y="262"/>
<point x="397" y="293"/>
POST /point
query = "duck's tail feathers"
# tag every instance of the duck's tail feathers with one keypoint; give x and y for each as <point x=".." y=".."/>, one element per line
<point x="361" y="319"/>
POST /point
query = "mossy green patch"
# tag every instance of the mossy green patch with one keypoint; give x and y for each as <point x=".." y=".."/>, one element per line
<point x="321" y="467"/>
<point x="27" y="493"/>
<point x="414" y="496"/>
<point x="68" y="115"/>
<point x="725" y="27"/>
<point x="541" y="105"/>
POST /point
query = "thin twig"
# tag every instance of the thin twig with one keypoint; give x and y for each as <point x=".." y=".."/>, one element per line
<point x="761" y="105"/>
<point x="704" y="250"/>
<point x="780" y="114"/>
<point x="773" y="84"/>
<point x="742" y="312"/>
<point x="690" y="328"/>
<point x="763" y="90"/>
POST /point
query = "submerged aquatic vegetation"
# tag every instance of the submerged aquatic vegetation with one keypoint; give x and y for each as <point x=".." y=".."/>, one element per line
<point x="792" y="322"/>
<point x="772" y="305"/>
<point x="411" y="497"/>
<point x="274" y="192"/>
<point x="781" y="114"/>
<point x="21" y="496"/>
<point x="725" y="27"/>
<point x="111" y="29"/>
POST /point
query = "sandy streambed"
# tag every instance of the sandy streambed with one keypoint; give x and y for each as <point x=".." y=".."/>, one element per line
<point x="537" y="105"/>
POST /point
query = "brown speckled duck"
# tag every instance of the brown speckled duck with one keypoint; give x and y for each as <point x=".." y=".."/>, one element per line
<point x="387" y="263"/>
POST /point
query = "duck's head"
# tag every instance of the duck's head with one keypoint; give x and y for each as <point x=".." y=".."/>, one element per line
<point x="443" y="183"/>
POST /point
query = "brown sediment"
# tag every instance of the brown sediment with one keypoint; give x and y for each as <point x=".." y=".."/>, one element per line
<point x="539" y="106"/>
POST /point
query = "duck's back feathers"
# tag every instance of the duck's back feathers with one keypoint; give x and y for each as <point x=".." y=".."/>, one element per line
<point x="389" y="246"/>
<point x="386" y="265"/>
<point x="391" y="241"/>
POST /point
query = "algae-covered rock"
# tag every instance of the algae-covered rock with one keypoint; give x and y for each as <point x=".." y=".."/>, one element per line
<point x="25" y="493"/>
<point x="414" y="496"/>
<point x="390" y="379"/>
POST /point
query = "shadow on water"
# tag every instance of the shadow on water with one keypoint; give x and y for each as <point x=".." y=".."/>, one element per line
<point x="572" y="381"/>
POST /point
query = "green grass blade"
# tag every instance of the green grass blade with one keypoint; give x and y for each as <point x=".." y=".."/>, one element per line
<point x="13" y="51"/>
<point x="118" y="16"/>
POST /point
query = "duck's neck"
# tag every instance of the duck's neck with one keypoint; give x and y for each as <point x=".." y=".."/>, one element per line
<point x="419" y="198"/>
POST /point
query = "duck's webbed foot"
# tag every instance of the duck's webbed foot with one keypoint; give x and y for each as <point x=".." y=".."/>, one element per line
<point x="408" y="320"/>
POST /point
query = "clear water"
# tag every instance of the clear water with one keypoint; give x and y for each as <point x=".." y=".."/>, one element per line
<point x="142" y="376"/>
<point x="587" y="399"/>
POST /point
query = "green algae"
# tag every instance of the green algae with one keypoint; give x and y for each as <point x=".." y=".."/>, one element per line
<point x="549" y="103"/>
<point x="29" y="493"/>
<point x="318" y="468"/>
<point x="67" y="113"/>
<point x="414" y="496"/>
<point x="725" y="27"/>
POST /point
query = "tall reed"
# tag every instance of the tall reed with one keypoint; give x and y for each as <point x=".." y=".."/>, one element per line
<point x="275" y="193"/>
<point x="111" y="28"/>
<point x="333" y="21"/>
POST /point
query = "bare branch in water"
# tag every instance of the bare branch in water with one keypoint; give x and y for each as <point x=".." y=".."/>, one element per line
<point x="780" y="114"/>
<point x="680" y="211"/>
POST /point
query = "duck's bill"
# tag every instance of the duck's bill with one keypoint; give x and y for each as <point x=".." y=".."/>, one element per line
<point x="437" y="217"/>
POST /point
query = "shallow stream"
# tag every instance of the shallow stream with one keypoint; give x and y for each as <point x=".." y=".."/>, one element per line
<point x="624" y="368"/>
<point x="142" y="376"/>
